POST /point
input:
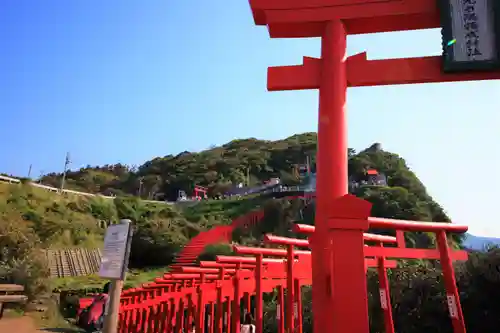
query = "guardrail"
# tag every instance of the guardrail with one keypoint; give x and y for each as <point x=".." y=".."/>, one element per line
<point x="11" y="180"/>
<point x="73" y="262"/>
<point x="279" y="189"/>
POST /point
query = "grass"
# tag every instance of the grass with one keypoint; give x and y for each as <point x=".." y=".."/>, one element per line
<point x="225" y="209"/>
<point x="137" y="277"/>
<point x="58" y="221"/>
<point x="13" y="313"/>
<point x="91" y="282"/>
<point x="52" y="320"/>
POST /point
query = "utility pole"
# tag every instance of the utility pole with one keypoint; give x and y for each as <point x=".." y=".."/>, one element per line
<point x="248" y="176"/>
<point x="29" y="170"/>
<point x="66" y="164"/>
<point x="41" y="175"/>
<point x="141" y="181"/>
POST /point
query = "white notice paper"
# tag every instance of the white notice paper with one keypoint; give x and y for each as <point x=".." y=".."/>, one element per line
<point x="383" y="299"/>
<point x="115" y="248"/>
<point x="452" y="306"/>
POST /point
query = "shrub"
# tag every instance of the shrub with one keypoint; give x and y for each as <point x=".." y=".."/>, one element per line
<point x="211" y="251"/>
<point x="21" y="259"/>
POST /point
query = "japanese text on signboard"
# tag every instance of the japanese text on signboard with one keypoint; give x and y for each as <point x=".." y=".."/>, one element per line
<point x="472" y="26"/>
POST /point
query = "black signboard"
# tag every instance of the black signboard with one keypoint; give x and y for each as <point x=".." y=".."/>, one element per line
<point x="471" y="34"/>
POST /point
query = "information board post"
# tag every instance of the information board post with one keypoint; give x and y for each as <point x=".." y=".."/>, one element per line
<point x="114" y="265"/>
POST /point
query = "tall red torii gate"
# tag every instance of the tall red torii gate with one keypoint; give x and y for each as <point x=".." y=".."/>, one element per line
<point x="175" y="301"/>
<point x="179" y="300"/>
<point x="333" y="20"/>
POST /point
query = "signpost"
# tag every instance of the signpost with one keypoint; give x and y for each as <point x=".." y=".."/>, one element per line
<point x="114" y="264"/>
<point x="470" y="34"/>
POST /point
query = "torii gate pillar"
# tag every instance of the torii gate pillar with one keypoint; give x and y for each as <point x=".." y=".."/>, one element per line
<point x="332" y="175"/>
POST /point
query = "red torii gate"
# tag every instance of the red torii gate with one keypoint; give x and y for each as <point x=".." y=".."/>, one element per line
<point x="170" y="303"/>
<point x="200" y="192"/>
<point x="333" y="20"/>
<point x="140" y="313"/>
<point x="380" y="254"/>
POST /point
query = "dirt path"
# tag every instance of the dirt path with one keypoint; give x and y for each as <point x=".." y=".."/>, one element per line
<point x="27" y="325"/>
<point x="18" y="325"/>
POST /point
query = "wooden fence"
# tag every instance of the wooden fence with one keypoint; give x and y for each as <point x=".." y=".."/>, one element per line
<point x="73" y="262"/>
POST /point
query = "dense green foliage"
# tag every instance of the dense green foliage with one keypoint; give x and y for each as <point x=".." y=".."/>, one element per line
<point x="212" y="250"/>
<point x="21" y="261"/>
<point x="219" y="167"/>
<point x="216" y="168"/>
<point x="255" y="161"/>
<point x="56" y="221"/>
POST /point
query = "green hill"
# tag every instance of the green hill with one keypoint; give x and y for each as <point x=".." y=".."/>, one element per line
<point x="248" y="159"/>
<point x="240" y="161"/>
<point x="215" y="168"/>
<point x="77" y="221"/>
<point x="50" y="220"/>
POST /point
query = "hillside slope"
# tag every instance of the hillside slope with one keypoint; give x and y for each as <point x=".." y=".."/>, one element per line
<point x="216" y="168"/>
<point x="404" y="197"/>
<point x="77" y="221"/>
<point x="53" y="221"/>
<point x="235" y="162"/>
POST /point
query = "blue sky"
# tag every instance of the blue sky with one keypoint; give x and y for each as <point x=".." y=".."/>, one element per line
<point x="124" y="81"/>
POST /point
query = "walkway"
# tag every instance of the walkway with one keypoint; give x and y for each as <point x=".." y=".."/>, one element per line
<point x="26" y="325"/>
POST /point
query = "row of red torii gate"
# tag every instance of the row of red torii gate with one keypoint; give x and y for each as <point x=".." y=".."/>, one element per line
<point x="216" y="295"/>
<point x="210" y="297"/>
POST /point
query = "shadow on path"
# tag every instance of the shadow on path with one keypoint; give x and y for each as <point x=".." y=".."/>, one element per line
<point x="62" y="330"/>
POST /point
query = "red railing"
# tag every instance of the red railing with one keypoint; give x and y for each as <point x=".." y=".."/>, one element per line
<point x="219" y="234"/>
